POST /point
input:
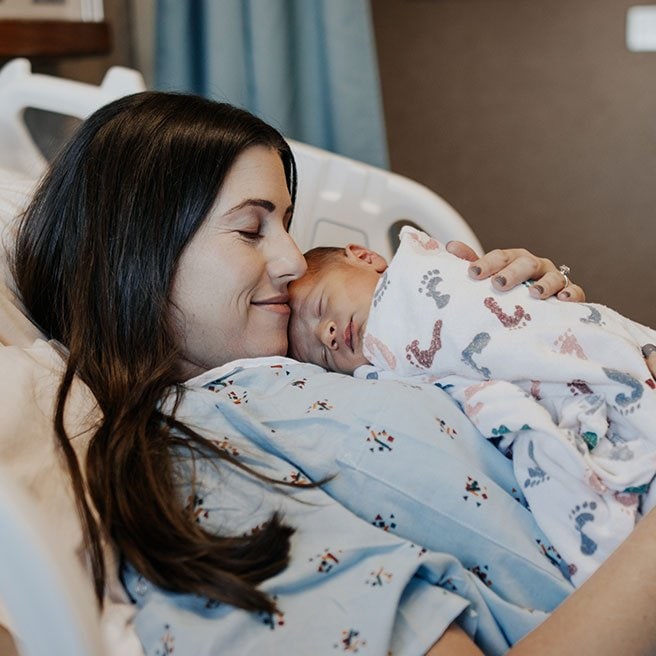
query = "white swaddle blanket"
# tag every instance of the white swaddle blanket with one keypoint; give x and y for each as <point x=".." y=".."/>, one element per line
<point x="561" y="386"/>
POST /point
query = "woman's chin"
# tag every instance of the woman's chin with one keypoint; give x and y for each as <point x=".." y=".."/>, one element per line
<point x="277" y="347"/>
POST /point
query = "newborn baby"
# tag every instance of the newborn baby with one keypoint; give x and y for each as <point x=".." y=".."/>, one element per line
<point x="562" y="387"/>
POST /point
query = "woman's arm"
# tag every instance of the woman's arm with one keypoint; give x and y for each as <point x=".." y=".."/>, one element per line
<point x="454" y="642"/>
<point x="7" y="646"/>
<point x="512" y="266"/>
<point x="613" y="612"/>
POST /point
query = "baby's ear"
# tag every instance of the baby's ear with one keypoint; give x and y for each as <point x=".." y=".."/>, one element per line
<point x="362" y="254"/>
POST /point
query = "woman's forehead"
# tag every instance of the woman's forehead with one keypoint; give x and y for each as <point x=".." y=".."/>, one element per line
<point x="256" y="168"/>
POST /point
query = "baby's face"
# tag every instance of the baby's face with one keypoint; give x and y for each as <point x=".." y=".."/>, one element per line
<point x="329" y="314"/>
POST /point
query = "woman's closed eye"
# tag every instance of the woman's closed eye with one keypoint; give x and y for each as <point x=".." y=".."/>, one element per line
<point x="250" y="230"/>
<point x="250" y="235"/>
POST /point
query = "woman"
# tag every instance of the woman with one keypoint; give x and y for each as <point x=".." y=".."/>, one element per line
<point x="157" y="248"/>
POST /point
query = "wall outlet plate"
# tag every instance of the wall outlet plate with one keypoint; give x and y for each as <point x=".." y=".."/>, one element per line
<point x="641" y="28"/>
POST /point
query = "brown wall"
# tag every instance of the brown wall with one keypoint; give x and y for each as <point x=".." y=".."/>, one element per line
<point x="92" y="68"/>
<point x="536" y="123"/>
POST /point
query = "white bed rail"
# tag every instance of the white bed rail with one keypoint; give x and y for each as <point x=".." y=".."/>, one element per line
<point x="349" y="201"/>
<point x="20" y="89"/>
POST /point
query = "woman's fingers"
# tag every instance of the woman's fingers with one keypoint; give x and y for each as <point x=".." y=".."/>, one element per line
<point x="512" y="266"/>
<point x="572" y="293"/>
<point x="461" y="250"/>
<point x="509" y="267"/>
<point x="649" y="351"/>
<point x="553" y="284"/>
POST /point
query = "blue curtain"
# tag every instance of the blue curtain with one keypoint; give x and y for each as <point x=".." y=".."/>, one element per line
<point x="306" y="66"/>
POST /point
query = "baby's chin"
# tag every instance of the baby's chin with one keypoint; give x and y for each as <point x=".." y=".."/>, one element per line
<point x="354" y="363"/>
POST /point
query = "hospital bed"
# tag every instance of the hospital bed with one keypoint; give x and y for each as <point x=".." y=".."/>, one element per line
<point x="340" y="200"/>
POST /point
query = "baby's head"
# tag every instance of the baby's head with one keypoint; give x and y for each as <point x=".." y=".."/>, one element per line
<point x="330" y="306"/>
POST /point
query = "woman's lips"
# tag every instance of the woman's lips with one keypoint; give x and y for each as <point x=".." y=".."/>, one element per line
<point x="279" y="305"/>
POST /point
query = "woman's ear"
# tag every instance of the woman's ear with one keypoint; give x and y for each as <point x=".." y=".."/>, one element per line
<point x="364" y="255"/>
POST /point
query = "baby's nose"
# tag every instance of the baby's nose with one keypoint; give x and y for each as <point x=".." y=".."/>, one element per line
<point x="329" y="335"/>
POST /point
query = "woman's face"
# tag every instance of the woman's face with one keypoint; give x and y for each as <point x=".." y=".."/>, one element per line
<point x="230" y="290"/>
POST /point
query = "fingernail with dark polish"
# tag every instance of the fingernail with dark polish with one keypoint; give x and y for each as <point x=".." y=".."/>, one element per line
<point x="564" y="294"/>
<point x="501" y="281"/>
<point x="648" y="349"/>
<point x="539" y="289"/>
<point x="475" y="271"/>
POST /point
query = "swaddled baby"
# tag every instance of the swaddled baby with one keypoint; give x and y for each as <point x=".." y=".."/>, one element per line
<point x="562" y="387"/>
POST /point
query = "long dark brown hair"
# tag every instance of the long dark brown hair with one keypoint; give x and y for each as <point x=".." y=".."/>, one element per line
<point x="94" y="262"/>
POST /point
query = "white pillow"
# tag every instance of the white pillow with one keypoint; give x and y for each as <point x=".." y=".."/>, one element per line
<point x="15" y="193"/>
<point x="28" y="447"/>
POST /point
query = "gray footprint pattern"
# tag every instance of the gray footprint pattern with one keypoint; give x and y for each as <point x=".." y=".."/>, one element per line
<point x="428" y="286"/>
<point x="582" y="515"/>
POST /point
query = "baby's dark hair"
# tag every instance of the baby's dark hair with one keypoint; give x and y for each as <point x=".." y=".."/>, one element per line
<point x="319" y="256"/>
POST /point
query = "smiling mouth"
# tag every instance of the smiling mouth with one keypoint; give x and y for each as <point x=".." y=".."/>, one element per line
<point x="277" y="305"/>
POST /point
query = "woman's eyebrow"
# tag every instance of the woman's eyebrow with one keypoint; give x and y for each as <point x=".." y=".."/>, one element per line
<point x="258" y="202"/>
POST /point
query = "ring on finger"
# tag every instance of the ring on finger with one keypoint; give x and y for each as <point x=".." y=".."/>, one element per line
<point x="564" y="271"/>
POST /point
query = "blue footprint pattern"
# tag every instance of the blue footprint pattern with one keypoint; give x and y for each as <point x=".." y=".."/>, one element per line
<point x="625" y="404"/>
<point x="476" y="346"/>
<point x="582" y="515"/>
<point x="536" y="475"/>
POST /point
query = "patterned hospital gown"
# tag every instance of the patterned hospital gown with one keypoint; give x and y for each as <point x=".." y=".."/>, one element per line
<point x="561" y="386"/>
<point x="418" y="522"/>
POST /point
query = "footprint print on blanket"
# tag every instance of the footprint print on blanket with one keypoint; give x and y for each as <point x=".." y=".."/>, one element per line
<point x="626" y="404"/>
<point x="582" y="515"/>
<point x="381" y="288"/>
<point x="536" y="475"/>
<point x="375" y="348"/>
<point x="518" y="319"/>
<point x="425" y="242"/>
<point x="567" y="344"/>
<point x="423" y="358"/>
<point x="476" y="347"/>
<point x="428" y="286"/>
<point x="593" y="317"/>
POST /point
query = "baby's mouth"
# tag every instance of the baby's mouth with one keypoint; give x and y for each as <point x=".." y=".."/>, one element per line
<point x="348" y="335"/>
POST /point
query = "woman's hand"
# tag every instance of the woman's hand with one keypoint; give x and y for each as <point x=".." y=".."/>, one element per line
<point x="512" y="266"/>
<point x="649" y="351"/>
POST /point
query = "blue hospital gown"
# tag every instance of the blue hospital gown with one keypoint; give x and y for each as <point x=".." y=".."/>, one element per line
<point x="384" y="556"/>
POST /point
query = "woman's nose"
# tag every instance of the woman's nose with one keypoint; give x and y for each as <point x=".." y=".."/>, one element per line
<point x="286" y="260"/>
<point x="328" y="334"/>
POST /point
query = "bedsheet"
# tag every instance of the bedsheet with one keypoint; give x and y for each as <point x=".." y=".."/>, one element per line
<point x="404" y="460"/>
